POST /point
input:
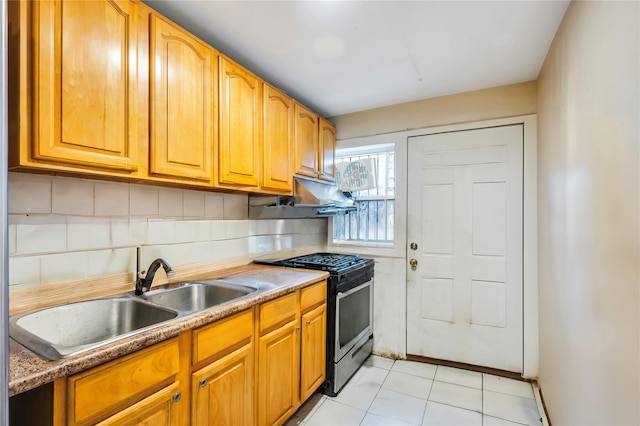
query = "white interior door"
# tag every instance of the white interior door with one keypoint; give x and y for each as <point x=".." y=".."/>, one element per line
<point x="464" y="296"/>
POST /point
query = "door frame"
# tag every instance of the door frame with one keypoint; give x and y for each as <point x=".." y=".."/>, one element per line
<point x="529" y="225"/>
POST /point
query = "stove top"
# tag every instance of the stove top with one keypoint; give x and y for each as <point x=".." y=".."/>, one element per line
<point x="325" y="261"/>
<point x="331" y="262"/>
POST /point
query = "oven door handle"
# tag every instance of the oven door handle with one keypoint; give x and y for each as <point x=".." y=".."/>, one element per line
<point x="341" y="294"/>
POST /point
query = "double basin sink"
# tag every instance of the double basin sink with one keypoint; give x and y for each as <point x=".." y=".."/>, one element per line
<point x="66" y="330"/>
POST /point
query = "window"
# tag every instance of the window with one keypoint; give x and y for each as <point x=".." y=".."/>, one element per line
<point x="373" y="221"/>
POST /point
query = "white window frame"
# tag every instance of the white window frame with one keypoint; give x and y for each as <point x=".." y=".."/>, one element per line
<point x="363" y="148"/>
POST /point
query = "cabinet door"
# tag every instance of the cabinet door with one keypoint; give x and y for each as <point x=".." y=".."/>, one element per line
<point x="240" y="126"/>
<point x="306" y="142"/>
<point x="278" y="141"/>
<point x="278" y="374"/>
<point x="105" y="390"/>
<point x="223" y="391"/>
<point x="327" y="138"/>
<point x="160" y="409"/>
<point x="85" y="87"/>
<point x="313" y="353"/>
<point x="181" y="98"/>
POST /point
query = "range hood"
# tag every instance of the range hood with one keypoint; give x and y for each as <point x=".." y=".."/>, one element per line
<point x="311" y="198"/>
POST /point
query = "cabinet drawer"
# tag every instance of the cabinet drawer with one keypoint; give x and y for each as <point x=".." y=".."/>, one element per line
<point x="115" y="385"/>
<point x="313" y="296"/>
<point x="278" y="312"/>
<point x="222" y="337"/>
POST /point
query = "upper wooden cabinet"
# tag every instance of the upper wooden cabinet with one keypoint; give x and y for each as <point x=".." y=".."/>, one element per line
<point x="240" y="126"/>
<point x="111" y="89"/>
<point x="327" y="152"/>
<point x="73" y="92"/>
<point x="181" y="103"/>
<point x="306" y="141"/>
<point x="277" y="172"/>
<point x="315" y="145"/>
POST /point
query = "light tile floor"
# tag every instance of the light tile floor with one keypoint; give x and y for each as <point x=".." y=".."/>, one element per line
<point x="387" y="392"/>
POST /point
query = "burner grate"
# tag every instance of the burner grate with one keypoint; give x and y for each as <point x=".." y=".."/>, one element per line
<point x="326" y="261"/>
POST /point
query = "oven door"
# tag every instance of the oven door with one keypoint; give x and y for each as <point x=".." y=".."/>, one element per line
<point x="354" y="317"/>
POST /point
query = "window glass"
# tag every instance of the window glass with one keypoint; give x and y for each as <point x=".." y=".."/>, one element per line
<point x="372" y="168"/>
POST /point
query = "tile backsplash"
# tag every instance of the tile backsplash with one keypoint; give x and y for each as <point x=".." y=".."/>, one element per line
<point x="63" y="229"/>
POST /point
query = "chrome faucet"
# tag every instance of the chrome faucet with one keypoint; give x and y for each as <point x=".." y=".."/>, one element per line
<point x="144" y="283"/>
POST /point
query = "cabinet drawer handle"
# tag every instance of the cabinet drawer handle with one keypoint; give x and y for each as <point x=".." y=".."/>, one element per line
<point x="177" y="397"/>
<point x="203" y="383"/>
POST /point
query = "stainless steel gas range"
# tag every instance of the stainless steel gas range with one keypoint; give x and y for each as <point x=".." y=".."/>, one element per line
<point x="349" y="311"/>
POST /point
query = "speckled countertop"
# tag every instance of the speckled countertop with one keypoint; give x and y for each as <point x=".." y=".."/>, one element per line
<point x="28" y="371"/>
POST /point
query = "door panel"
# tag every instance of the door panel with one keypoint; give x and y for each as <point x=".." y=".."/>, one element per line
<point x="181" y="103"/>
<point x="240" y="126"/>
<point x="464" y="297"/>
<point x="87" y="101"/>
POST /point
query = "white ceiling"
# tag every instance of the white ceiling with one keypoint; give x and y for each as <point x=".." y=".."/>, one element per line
<point x="339" y="57"/>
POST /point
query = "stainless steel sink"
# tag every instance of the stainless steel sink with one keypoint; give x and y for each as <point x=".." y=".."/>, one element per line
<point x="198" y="296"/>
<point x="61" y="331"/>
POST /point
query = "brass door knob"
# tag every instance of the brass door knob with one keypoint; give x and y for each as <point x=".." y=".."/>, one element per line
<point x="413" y="263"/>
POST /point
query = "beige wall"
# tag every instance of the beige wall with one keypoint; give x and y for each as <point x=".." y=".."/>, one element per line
<point x="499" y="102"/>
<point x="588" y="189"/>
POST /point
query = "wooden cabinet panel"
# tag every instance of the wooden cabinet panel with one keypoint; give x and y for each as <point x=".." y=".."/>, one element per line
<point x="277" y="312"/>
<point x="223" y="391"/>
<point x="160" y="409"/>
<point x="113" y="386"/>
<point x="327" y="151"/>
<point x="277" y="172"/>
<point x="85" y="85"/>
<point x="313" y="350"/>
<point x="306" y="141"/>
<point x="222" y="336"/>
<point x="290" y="367"/>
<point x="181" y="101"/>
<point x="313" y="295"/>
<point x="240" y="126"/>
<point x="278" y="374"/>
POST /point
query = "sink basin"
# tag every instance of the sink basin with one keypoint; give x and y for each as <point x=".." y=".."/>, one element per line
<point x="197" y="296"/>
<point x="66" y="330"/>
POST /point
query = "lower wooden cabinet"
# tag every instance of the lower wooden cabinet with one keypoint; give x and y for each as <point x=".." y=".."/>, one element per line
<point x="161" y="408"/>
<point x="313" y="351"/>
<point x="278" y="380"/>
<point x="222" y="391"/>
<point x="129" y="390"/>
<point x="291" y="352"/>
<point x="235" y="371"/>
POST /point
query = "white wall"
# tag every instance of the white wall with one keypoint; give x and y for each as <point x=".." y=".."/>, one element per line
<point x="65" y="229"/>
<point x="390" y="125"/>
<point x="589" y="255"/>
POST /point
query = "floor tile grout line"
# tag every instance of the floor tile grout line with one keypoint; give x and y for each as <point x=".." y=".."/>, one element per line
<point x="377" y="392"/>
<point x="424" y="412"/>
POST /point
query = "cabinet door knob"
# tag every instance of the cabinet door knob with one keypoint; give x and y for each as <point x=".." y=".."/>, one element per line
<point x="298" y="328"/>
<point x="177" y="397"/>
<point x="203" y="383"/>
<point x="308" y="322"/>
